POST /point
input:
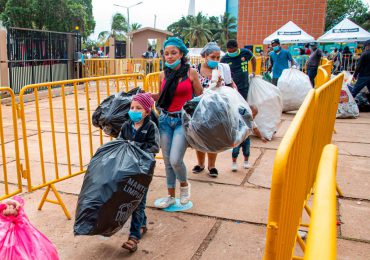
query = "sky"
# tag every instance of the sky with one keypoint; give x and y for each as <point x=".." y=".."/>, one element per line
<point x="167" y="11"/>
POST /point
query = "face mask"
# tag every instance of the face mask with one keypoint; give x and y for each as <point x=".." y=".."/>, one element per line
<point x="212" y="64"/>
<point x="135" y="116"/>
<point x="173" y="65"/>
<point x="276" y="48"/>
<point x="234" y="54"/>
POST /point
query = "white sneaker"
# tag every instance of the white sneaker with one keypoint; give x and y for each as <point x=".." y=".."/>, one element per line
<point x="185" y="194"/>
<point x="165" y="203"/>
<point x="234" y="167"/>
<point x="246" y="165"/>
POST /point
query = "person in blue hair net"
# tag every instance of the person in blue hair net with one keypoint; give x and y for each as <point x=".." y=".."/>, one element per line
<point x="179" y="83"/>
<point x="211" y="53"/>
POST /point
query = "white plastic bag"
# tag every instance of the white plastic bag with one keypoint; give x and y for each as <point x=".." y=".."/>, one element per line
<point x="294" y="86"/>
<point x="267" y="98"/>
<point x="347" y="107"/>
<point x="221" y="120"/>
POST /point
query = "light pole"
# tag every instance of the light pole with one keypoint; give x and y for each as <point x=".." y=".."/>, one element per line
<point x="128" y="25"/>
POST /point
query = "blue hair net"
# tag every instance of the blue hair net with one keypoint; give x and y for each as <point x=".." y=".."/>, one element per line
<point x="174" y="41"/>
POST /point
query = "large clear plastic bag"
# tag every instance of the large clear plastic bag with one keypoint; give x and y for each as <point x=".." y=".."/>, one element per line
<point x="294" y="86"/>
<point x="20" y="240"/>
<point x="267" y="98"/>
<point x="347" y="107"/>
<point x="220" y="121"/>
<point x="116" y="180"/>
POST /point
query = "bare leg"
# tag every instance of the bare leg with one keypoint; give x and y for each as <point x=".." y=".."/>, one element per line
<point x="201" y="158"/>
<point x="212" y="160"/>
<point x="171" y="192"/>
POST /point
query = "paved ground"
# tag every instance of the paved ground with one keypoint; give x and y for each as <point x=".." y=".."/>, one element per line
<point x="229" y="214"/>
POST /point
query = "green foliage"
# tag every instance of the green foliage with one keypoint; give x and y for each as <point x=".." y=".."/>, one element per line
<point x="196" y="31"/>
<point x="337" y="10"/>
<point x="135" y="26"/>
<point x="53" y="15"/>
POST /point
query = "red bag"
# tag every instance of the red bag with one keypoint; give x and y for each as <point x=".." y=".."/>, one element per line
<point x="19" y="240"/>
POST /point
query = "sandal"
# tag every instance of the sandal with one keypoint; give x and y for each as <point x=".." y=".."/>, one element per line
<point x="131" y="244"/>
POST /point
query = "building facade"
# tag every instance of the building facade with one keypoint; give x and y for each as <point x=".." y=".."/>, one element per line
<point x="257" y="19"/>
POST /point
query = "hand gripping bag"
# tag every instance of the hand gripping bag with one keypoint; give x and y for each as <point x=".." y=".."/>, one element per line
<point x="116" y="180"/>
<point x="267" y="98"/>
<point x="294" y="86"/>
<point x="347" y="107"/>
<point x="20" y="240"/>
<point x="219" y="121"/>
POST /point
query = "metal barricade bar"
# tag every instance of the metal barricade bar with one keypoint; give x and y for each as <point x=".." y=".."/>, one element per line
<point x="8" y="192"/>
<point x="71" y="116"/>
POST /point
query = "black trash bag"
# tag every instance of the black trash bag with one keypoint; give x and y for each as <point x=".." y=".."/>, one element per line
<point x="116" y="180"/>
<point x="219" y="121"/>
<point x="113" y="112"/>
<point x="363" y="101"/>
<point x="191" y="105"/>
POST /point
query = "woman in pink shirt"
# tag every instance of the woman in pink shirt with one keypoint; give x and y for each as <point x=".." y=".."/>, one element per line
<point x="179" y="83"/>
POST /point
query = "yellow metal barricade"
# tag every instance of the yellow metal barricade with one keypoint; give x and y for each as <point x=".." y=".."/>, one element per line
<point x="11" y="182"/>
<point x="105" y="67"/>
<point x="289" y="179"/>
<point x="328" y="67"/>
<point x="66" y="124"/>
<point x="258" y="65"/>
<point x="152" y="82"/>
<point x="326" y="105"/>
<point x="322" y="77"/>
<point x="322" y="233"/>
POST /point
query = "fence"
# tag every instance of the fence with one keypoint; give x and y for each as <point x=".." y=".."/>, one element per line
<point x="295" y="168"/>
<point x="105" y="67"/>
<point x="70" y="129"/>
<point x="40" y="56"/>
<point x="9" y="133"/>
<point x="288" y="189"/>
<point x="321" y="241"/>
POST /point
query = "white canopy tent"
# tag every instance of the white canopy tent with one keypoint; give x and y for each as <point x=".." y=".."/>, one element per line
<point x="345" y="31"/>
<point x="289" y="33"/>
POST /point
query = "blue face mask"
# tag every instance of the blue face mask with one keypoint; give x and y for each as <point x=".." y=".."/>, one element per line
<point x="173" y="65"/>
<point x="135" y="116"/>
<point x="234" y="54"/>
<point x="212" y="64"/>
<point x="276" y="48"/>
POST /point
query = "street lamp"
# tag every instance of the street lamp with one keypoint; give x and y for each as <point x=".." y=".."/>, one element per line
<point x="128" y="24"/>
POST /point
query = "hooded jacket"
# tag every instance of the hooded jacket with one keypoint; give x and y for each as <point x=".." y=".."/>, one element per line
<point x="147" y="136"/>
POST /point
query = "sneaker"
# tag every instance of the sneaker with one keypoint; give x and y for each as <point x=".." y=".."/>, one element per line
<point x="234" y="167"/>
<point x="165" y="203"/>
<point x="185" y="194"/>
<point x="197" y="169"/>
<point x="246" y="165"/>
<point x="213" y="173"/>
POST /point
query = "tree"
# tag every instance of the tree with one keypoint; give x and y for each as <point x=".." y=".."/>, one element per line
<point x="135" y="26"/>
<point x="198" y="33"/>
<point x="337" y="10"/>
<point x="17" y="13"/>
<point x="177" y="28"/>
<point x="226" y="30"/>
<point x="54" y="15"/>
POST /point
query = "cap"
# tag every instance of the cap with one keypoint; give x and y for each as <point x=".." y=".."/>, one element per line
<point x="145" y="99"/>
<point x="275" y="41"/>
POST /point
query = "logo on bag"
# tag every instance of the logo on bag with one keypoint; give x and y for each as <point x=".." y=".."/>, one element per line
<point x="124" y="211"/>
<point x="344" y="98"/>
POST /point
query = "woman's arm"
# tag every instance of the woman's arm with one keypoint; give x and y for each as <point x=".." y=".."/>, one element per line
<point x="197" y="87"/>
